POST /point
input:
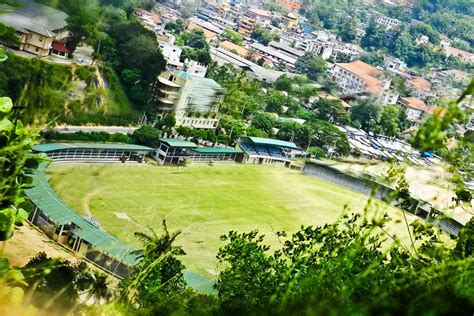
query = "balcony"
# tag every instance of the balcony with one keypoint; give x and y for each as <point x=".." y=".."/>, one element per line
<point x="168" y="83"/>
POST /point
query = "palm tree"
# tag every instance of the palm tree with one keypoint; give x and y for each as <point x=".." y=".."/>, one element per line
<point x="97" y="287"/>
<point x="156" y="246"/>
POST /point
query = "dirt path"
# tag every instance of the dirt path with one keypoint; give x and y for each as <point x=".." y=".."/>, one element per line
<point x="27" y="242"/>
<point x="86" y="201"/>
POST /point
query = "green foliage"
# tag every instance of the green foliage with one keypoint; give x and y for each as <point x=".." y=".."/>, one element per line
<point x="374" y="37"/>
<point x="432" y="134"/>
<point x="331" y="110"/>
<point x="393" y="121"/>
<point x="147" y="135"/>
<point x="340" y="268"/>
<point x="284" y="83"/>
<point x="233" y="36"/>
<point x="264" y="122"/>
<point x="158" y="275"/>
<point x="177" y="27"/>
<point x="262" y="34"/>
<point x="16" y="162"/>
<point x="348" y="31"/>
<point x="88" y="137"/>
<point x="365" y="114"/>
<point x="125" y="41"/>
<point x="316" y="152"/>
<point x="311" y="65"/>
<point x="55" y="284"/>
<point x="202" y="55"/>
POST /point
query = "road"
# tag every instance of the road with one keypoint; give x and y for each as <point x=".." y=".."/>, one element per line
<point x="88" y="129"/>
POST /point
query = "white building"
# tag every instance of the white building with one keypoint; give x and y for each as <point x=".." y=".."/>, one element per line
<point x="414" y="108"/>
<point x="387" y="22"/>
<point x="172" y="54"/>
<point x="193" y="100"/>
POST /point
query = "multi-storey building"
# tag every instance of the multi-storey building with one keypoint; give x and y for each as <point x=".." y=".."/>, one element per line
<point x="387" y="22"/>
<point x="261" y="16"/>
<point x="193" y="100"/>
<point x="420" y="88"/>
<point x="293" y="5"/>
<point x="246" y="26"/>
<point x="414" y="108"/>
<point x="37" y="25"/>
<point x="358" y="78"/>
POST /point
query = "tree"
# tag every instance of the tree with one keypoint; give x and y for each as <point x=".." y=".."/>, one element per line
<point x="197" y="39"/>
<point x="16" y="163"/>
<point x="348" y="31"/>
<point x="200" y="55"/>
<point x="283" y="83"/>
<point x="54" y="283"/>
<point x="262" y="34"/>
<point x="169" y="121"/>
<point x="311" y="65"/>
<point x="159" y="273"/>
<point x="275" y="101"/>
<point x="366" y="115"/>
<point x="233" y="36"/>
<point x="326" y="136"/>
<point x="374" y="37"/>
<point x="301" y="277"/>
<point x="264" y="121"/>
<point x="390" y="123"/>
<point x="147" y="135"/>
<point x="331" y="110"/>
<point x="175" y="26"/>
<point x="316" y="152"/>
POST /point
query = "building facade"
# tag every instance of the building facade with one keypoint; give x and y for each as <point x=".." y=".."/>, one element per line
<point x="193" y="100"/>
<point x="38" y="26"/>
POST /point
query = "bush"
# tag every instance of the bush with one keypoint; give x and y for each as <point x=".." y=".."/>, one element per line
<point x="88" y="137"/>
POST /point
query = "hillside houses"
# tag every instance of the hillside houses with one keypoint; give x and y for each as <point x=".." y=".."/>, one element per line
<point x="41" y="29"/>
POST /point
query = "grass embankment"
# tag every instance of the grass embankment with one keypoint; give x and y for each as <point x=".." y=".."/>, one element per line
<point x="204" y="202"/>
<point x="62" y="93"/>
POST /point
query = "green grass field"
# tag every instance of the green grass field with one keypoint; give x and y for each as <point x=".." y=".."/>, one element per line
<point x="203" y="201"/>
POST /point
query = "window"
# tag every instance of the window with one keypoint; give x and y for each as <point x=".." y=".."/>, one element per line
<point x="40" y="39"/>
<point x="37" y="49"/>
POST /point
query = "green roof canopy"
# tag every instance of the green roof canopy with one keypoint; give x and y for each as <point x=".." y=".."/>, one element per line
<point x="216" y="150"/>
<point x="47" y="147"/>
<point x="174" y="142"/>
<point x="272" y="142"/>
<point x="43" y="196"/>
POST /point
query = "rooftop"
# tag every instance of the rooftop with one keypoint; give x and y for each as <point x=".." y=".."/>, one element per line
<point x="241" y="51"/>
<point x="272" y="142"/>
<point x="34" y="17"/>
<point x="287" y="48"/>
<point x="174" y="142"/>
<point x="43" y="196"/>
<point x="420" y="83"/>
<point x="274" y="53"/>
<point x="47" y="147"/>
<point x="365" y="72"/>
<point x="216" y="150"/>
<point x="198" y="81"/>
<point x="260" y="12"/>
<point x="415" y="103"/>
<point x="223" y="56"/>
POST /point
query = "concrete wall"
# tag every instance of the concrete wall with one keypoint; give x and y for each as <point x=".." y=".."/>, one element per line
<point x="381" y="192"/>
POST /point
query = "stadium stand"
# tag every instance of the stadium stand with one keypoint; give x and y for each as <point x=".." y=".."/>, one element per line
<point x="90" y="152"/>
<point x="83" y="234"/>
<point x="266" y="150"/>
<point x="177" y="151"/>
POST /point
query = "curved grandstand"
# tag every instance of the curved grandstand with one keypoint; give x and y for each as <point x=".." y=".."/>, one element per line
<point x="83" y="235"/>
